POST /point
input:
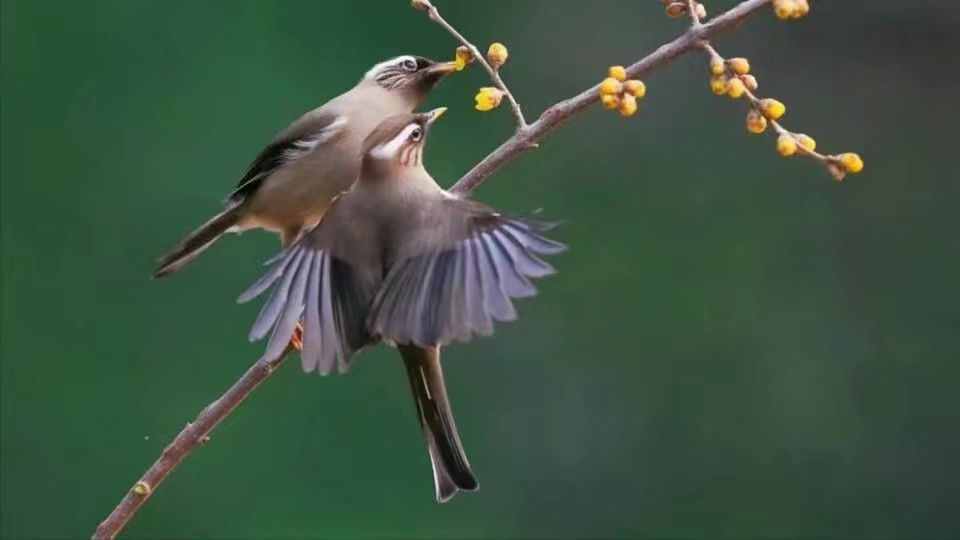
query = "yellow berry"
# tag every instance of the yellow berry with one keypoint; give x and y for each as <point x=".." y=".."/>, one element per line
<point x="740" y="66"/>
<point x="750" y="81"/>
<point x="635" y="88"/>
<point x="628" y="105"/>
<point x="772" y="108"/>
<point x="488" y="98"/>
<point x="618" y="72"/>
<point x="717" y="67"/>
<point x="786" y="145"/>
<point x="784" y="9"/>
<point x="756" y="122"/>
<point x="736" y="88"/>
<point x="719" y="85"/>
<point x="497" y="55"/>
<point x="611" y="86"/>
<point x="851" y="162"/>
<point x="676" y="9"/>
<point x="610" y="101"/>
<point x="806" y="142"/>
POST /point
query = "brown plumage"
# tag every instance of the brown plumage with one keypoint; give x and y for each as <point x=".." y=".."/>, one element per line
<point x="292" y="181"/>
<point x="398" y="259"/>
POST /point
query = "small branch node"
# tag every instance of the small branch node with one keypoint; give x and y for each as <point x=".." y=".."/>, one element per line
<point x="142" y="489"/>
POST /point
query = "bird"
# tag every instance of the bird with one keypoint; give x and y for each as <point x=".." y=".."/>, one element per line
<point x="397" y="259"/>
<point x="292" y="180"/>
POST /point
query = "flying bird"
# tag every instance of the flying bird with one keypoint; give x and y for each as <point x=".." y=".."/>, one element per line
<point x="398" y="259"/>
<point x="292" y="181"/>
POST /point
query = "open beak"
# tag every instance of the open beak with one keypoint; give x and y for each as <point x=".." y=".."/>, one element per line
<point x="435" y="115"/>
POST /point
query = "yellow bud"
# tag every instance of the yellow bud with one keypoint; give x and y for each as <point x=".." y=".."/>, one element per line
<point x="488" y="98"/>
<point x="784" y="9"/>
<point x="756" y="122"/>
<point x="717" y="66"/>
<point x="772" y="108"/>
<point x="676" y="9"/>
<point x="635" y="88"/>
<point x="628" y="105"/>
<point x="736" y="88"/>
<point x="751" y="82"/>
<point x="701" y="11"/>
<point x="497" y="55"/>
<point x="611" y="86"/>
<point x="142" y="488"/>
<point x="463" y="57"/>
<point x="719" y="85"/>
<point x="740" y="66"/>
<point x="422" y="5"/>
<point x="806" y="142"/>
<point x="610" y="101"/>
<point x="618" y="72"/>
<point x="851" y="162"/>
<point x="801" y="9"/>
<point x="786" y="145"/>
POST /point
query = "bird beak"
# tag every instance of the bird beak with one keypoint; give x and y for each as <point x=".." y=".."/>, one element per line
<point x="435" y="115"/>
<point x="441" y="69"/>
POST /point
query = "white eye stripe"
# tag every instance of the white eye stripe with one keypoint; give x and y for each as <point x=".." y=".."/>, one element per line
<point x="389" y="149"/>
<point x="392" y="63"/>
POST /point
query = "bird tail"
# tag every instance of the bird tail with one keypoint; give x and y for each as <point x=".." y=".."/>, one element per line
<point x="451" y="470"/>
<point x="197" y="242"/>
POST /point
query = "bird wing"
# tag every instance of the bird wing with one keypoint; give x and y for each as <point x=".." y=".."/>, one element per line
<point x="311" y="280"/>
<point x="302" y="137"/>
<point x="456" y="275"/>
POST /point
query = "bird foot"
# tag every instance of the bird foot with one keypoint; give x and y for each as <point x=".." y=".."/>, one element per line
<point x="297" y="340"/>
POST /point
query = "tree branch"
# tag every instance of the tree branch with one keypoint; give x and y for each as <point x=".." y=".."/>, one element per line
<point x="527" y="138"/>
<point x="190" y="437"/>
<point x="198" y="432"/>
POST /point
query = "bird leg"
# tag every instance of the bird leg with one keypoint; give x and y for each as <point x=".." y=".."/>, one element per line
<point x="296" y="341"/>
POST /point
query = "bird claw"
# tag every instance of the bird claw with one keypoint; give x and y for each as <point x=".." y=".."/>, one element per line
<point x="296" y="341"/>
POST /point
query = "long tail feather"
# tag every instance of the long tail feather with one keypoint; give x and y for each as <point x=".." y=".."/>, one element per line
<point x="451" y="470"/>
<point x="197" y="242"/>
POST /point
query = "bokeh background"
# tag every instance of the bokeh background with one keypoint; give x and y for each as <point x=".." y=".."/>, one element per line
<point x="736" y="345"/>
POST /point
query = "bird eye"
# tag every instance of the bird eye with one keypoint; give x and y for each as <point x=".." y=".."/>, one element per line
<point x="409" y="65"/>
<point x="416" y="135"/>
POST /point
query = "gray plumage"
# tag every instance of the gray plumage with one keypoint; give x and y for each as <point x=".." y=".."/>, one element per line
<point x="396" y="258"/>
<point x="292" y="181"/>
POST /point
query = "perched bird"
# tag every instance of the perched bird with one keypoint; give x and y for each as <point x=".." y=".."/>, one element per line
<point x="400" y="260"/>
<point x="292" y="181"/>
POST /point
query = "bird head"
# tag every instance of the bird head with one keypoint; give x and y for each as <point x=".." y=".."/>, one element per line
<point x="414" y="76"/>
<point x="399" y="140"/>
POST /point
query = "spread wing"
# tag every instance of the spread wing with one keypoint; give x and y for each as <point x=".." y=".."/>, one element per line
<point x="462" y="278"/>
<point x="309" y="281"/>
<point x="302" y="137"/>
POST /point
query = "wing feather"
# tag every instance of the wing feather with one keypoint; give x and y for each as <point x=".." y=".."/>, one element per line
<point x="458" y="287"/>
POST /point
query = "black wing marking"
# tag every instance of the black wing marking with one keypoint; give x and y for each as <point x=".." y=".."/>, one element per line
<point x="286" y="149"/>
<point x="330" y="297"/>
<point x="451" y="294"/>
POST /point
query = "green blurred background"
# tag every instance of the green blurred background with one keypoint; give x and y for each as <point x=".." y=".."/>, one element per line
<point x="736" y="345"/>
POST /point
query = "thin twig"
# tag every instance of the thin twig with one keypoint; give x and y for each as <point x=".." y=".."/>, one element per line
<point x="831" y="163"/>
<point x="560" y="112"/>
<point x="190" y="437"/>
<point x="526" y="137"/>
<point x="494" y="73"/>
